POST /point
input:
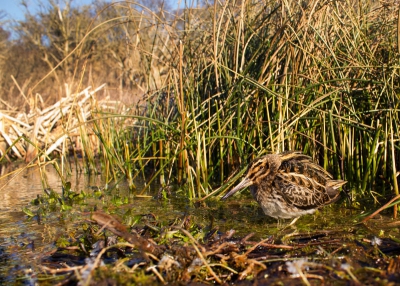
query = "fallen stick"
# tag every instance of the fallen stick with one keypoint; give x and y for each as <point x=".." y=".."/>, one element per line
<point x="381" y="209"/>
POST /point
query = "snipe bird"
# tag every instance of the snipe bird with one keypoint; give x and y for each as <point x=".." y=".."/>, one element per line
<point x="289" y="185"/>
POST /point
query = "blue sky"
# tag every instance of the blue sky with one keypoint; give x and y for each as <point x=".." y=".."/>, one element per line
<point x="14" y="11"/>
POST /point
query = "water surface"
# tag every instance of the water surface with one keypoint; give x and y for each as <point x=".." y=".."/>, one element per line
<point x="25" y="241"/>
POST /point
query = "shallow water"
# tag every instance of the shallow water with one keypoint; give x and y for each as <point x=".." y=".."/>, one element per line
<point x="24" y="240"/>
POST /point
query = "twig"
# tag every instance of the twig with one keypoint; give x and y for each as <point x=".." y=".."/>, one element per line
<point x="194" y="242"/>
<point x="381" y="209"/>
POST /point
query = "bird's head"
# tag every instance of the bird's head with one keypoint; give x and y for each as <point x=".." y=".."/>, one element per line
<point x="261" y="169"/>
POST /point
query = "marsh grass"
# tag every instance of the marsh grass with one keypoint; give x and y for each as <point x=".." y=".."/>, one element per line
<point x="268" y="77"/>
<point x="244" y="79"/>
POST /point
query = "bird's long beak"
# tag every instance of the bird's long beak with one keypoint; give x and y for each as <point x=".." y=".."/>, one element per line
<point x="243" y="184"/>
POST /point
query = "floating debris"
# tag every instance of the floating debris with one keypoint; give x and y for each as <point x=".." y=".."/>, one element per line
<point x="173" y="254"/>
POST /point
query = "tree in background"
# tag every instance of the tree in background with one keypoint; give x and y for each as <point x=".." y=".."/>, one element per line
<point x="118" y="44"/>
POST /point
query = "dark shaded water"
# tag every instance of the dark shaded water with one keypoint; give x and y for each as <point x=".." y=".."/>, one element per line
<point x="25" y="241"/>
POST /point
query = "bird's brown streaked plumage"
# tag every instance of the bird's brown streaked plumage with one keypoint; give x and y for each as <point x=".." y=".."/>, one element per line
<point x="289" y="185"/>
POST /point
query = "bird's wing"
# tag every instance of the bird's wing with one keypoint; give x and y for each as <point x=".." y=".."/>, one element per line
<point x="295" y="162"/>
<point x="300" y="191"/>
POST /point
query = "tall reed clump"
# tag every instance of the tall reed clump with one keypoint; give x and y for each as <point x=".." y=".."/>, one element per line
<point x="246" y="78"/>
<point x="320" y="77"/>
